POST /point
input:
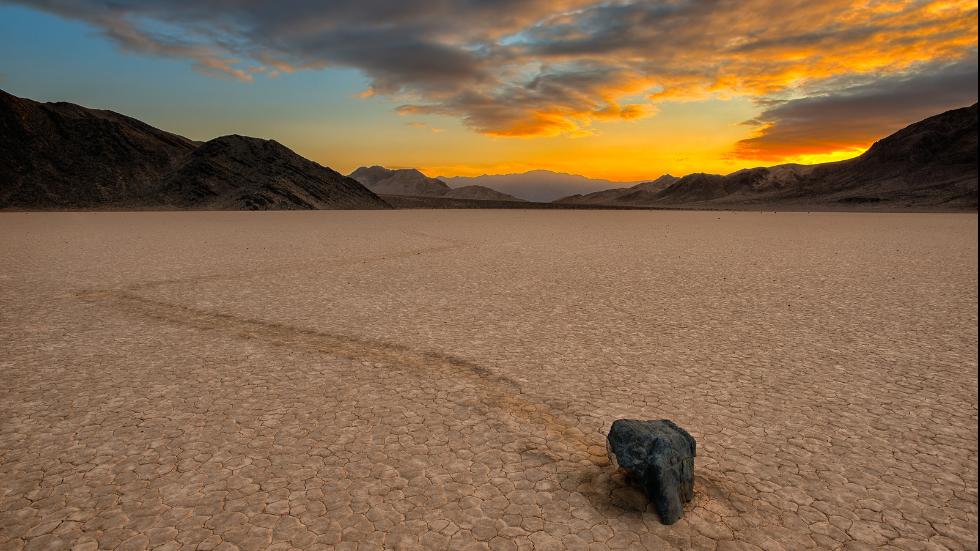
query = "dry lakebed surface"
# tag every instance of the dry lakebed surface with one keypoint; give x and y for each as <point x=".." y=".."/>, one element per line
<point x="445" y="379"/>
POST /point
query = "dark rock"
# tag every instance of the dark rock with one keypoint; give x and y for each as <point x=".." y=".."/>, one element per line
<point x="659" y="457"/>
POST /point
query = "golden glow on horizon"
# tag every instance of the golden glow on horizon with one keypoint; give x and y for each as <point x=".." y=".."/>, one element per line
<point x="623" y="91"/>
<point x="828" y="157"/>
<point x="766" y="49"/>
<point x="907" y="35"/>
<point x="644" y="108"/>
<point x="682" y="138"/>
<point x="638" y="173"/>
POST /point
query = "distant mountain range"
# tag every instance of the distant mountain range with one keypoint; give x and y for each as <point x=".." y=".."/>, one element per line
<point x="411" y="182"/>
<point x="61" y="155"/>
<point x="64" y="156"/>
<point x="644" y="191"/>
<point x="929" y="164"/>
<point x="536" y="185"/>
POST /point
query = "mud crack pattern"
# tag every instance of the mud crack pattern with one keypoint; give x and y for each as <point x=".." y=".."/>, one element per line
<point x="443" y="380"/>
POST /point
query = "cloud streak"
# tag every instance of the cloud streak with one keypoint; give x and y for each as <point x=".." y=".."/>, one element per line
<point x="845" y="117"/>
<point x="539" y="67"/>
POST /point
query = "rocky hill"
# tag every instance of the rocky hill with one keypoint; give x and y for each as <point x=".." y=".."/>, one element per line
<point x="64" y="156"/>
<point x="644" y="191"/>
<point x="536" y="185"/>
<point x="931" y="164"/>
<point x="742" y="185"/>
<point x="406" y="181"/>
<point x="410" y="182"/>
<point x="238" y="172"/>
<point x="61" y="154"/>
<point x="480" y="193"/>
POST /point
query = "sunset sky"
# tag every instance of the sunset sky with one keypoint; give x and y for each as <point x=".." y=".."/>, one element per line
<point x="617" y="90"/>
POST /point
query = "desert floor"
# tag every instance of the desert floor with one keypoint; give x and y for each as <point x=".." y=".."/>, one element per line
<point x="445" y="379"/>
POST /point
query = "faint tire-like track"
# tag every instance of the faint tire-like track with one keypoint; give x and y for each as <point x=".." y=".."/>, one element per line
<point x="332" y="381"/>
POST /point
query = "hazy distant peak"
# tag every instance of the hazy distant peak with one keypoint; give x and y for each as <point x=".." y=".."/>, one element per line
<point x="412" y="182"/>
<point x="402" y="181"/>
<point x="553" y="173"/>
<point x="482" y="193"/>
<point x="536" y="185"/>
<point x="370" y="175"/>
<point x="410" y="172"/>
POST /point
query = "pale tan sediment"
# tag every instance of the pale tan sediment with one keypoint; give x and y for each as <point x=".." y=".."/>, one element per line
<point x="444" y="379"/>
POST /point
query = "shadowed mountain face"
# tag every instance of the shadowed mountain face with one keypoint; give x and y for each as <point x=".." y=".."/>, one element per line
<point x="930" y="164"/>
<point x="61" y="155"/>
<point x="409" y="182"/>
<point x="744" y="184"/>
<point x="237" y="172"/>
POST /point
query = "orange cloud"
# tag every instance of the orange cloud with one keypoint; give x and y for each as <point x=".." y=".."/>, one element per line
<point x="541" y="68"/>
<point x="842" y="121"/>
<point x="590" y="60"/>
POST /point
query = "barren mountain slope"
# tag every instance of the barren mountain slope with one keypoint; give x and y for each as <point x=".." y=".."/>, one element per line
<point x="65" y="156"/>
<point x="931" y="164"/>
<point x="238" y="172"/>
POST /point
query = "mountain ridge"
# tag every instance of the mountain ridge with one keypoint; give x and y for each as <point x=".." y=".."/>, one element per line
<point x="643" y="190"/>
<point x="537" y="185"/>
<point x="931" y="163"/>
<point x="60" y="155"/>
<point x="63" y="155"/>
<point x="411" y="182"/>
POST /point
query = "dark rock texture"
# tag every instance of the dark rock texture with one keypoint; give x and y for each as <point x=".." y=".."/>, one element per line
<point x="931" y="162"/>
<point x="659" y="457"/>
<point x="65" y="156"/>
<point x="242" y="173"/>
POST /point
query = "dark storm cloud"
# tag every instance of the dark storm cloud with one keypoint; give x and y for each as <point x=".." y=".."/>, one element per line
<point x="397" y="44"/>
<point x="539" y="67"/>
<point x="859" y="114"/>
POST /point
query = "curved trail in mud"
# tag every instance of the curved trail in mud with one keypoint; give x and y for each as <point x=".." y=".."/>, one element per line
<point x="496" y="392"/>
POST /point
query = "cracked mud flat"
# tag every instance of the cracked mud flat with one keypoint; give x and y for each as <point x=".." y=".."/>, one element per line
<point x="444" y="379"/>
